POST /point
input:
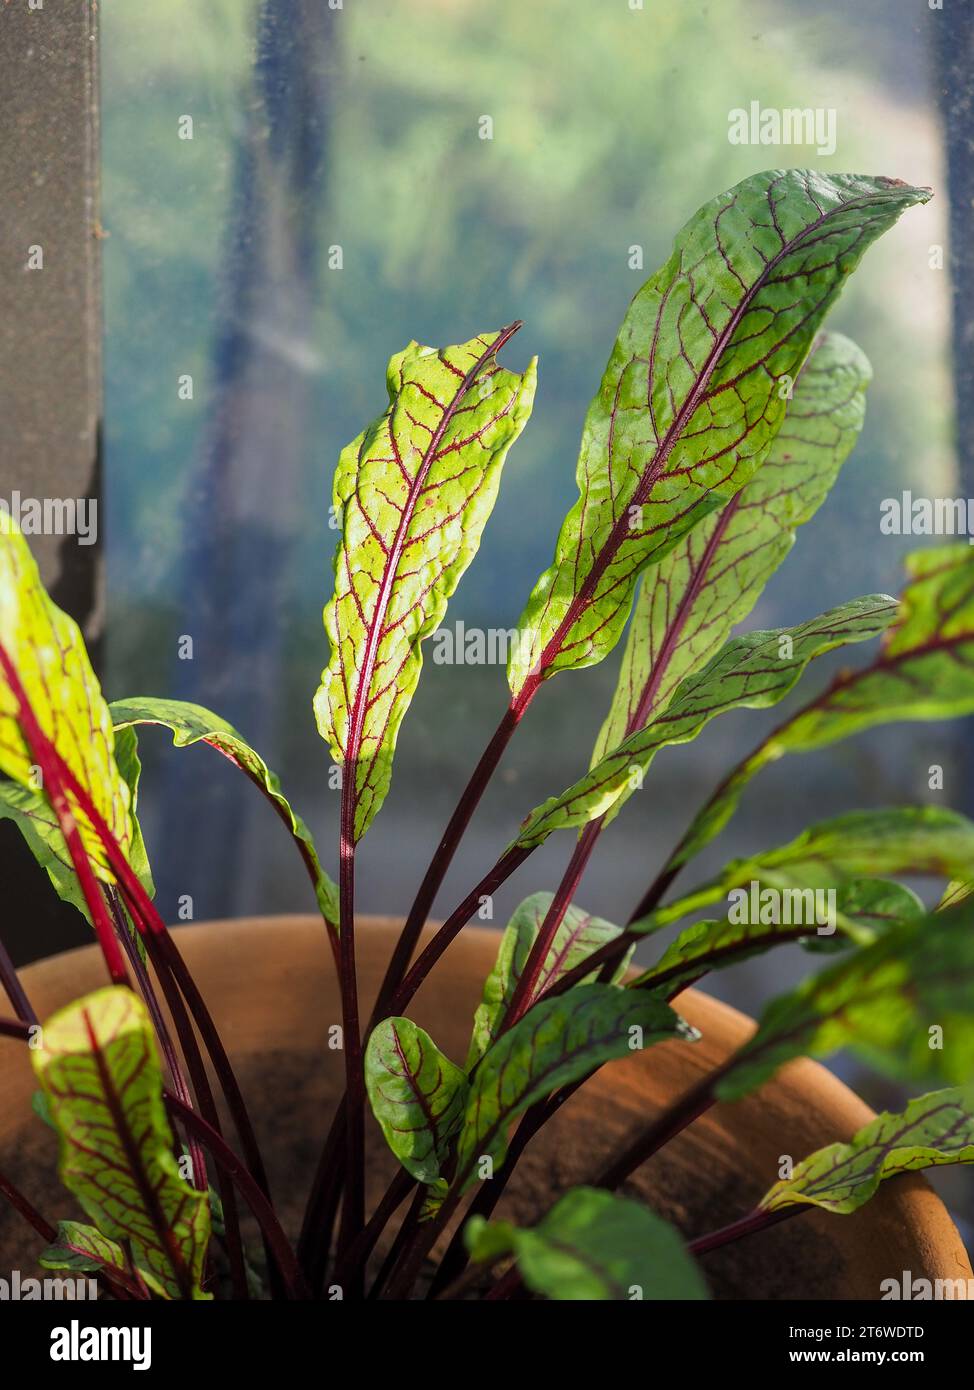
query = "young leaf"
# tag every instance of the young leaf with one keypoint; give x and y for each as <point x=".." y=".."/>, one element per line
<point x="594" y="1246"/>
<point x="689" y="603"/>
<point x="46" y="650"/>
<point x="695" y="391"/>
<point x="864" y="909"/>
<point x="417" y="1095"/>
<point x="99" y="1069"/>
<point x="934" y="1130"/>
<point x="925" y="670"/>
<point x="909" y="840"/>
<point x="79" y="1247"/>
<point x="907" y="1001"/>
<point x="753" y="671"/>
<point x="32" y="814"/>
<point x="191" y="724"/>
<point x="413" y="493"/>
<point x="558" y="1042"/>
<point x="578" y="936"/>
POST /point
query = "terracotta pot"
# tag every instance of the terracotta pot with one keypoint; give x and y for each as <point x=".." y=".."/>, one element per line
<point x="270" y="986"/>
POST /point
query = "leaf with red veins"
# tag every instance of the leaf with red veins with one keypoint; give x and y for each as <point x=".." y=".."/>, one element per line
<point x="413" y="493"/>
<point x="689" y="603"/>
<point x="46" y="651"/>
<point x="99" y="1070"/>
<point x="924" y="670"/>
<point x="695" y="391"/>
<point x="417" y="1095"/>
<point x="934" y="1130"/>
<point x="753" y="671"/>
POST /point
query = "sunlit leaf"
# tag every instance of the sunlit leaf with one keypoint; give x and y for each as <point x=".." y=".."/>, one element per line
<point x="417" y="1095"/>
<point x="413" y="493"/>
<point x="925" y="670"/>
<point x="191" y="724"/>
<point x="695" y="391"/>
<point x="689" y="603"/>
<point x="752" y="671"/>
<point x="79" y="1247"/>
<point x="99" y="1069"/>
<point x="47" y="652"/>
<point x="593" y="1246"/>
<point x="933" y="1130"/>
<point x="579" y="935"/>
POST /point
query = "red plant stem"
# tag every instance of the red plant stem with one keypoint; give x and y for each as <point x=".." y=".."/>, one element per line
<point x="51" y="765"/>
<point x="443" y="856"/>
<point x="113" y="1281"/>
<point x="158" y="940"/>
<point x="528" y="980"/>
<point x="353" y="1206"/>
<point x="747" y="1225"/>
<point x="510" y="860"/>
<point x="667" y="1126"/>
<point x="15" y="990"/>
<point x="656" y="890"/>
<point x="506" y="1286"/>
<point x="418" y="1246"/>
<point x="314" y="1242"/>
<point x="252" y="1194"/>
<point x="402" y="1238"/>
<point x="15" y="1028"/>
<point x="362" y="1247"/>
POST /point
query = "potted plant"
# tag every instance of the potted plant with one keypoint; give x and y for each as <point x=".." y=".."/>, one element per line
<point x="721" y="422"/>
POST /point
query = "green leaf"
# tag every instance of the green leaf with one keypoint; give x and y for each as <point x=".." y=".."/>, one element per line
<point x="934" y="1130"/>
<point x="695" y="391"/>
<point x="100" y="1072"/>
<point x="82" y="1248"/>
<point x="47" y="652"/>
<point x="32" y="814"/>
<point x="578" y="936"/>
<point x="909" y="840"/>
<point x="191" y="724"/>
<point x="752" y="671"/>
<point x="906" y="1002"/>
<point x="925" y="670"/>
<point x="559" y="1041"/>
<point x="417" y="1095"/>
<point x="689" y="603"/>
<point x="413" y="493"/>
<point x="594" y="1246"/>
<point x="863" y="909"/>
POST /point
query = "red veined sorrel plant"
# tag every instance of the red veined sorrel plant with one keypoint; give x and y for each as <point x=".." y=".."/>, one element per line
<point x="721" y="422"/>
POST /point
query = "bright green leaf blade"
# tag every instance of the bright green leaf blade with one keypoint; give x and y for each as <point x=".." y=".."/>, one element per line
<point x="934" y="1130"/>
<point x="82" y="1248"/>
<point x="99" y="1069"/>
<point x="689" y="603"/>
<point x="906" y="1002"/>
<point x="593" y="1246"/>
<point x="559" y="1041"/>
<point x="907" y="840"/>
<point x="31" y="812"/>
<point x="925" y="670"/>
<point x="752" y="671"/>
<point x="46" y="649"/>
<point x="863" y="909"/>
<point x="693" y="393"/>
<point x="413" y="492"/>
<point x="191" y="724"/>
<point x="417" y="1095"/>
<point x="578" y="936"/>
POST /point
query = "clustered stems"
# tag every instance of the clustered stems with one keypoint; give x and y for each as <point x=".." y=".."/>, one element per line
<point x="353" y="1209"/>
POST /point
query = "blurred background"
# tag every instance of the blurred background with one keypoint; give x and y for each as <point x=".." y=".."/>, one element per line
<point x="334" y="201"/>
